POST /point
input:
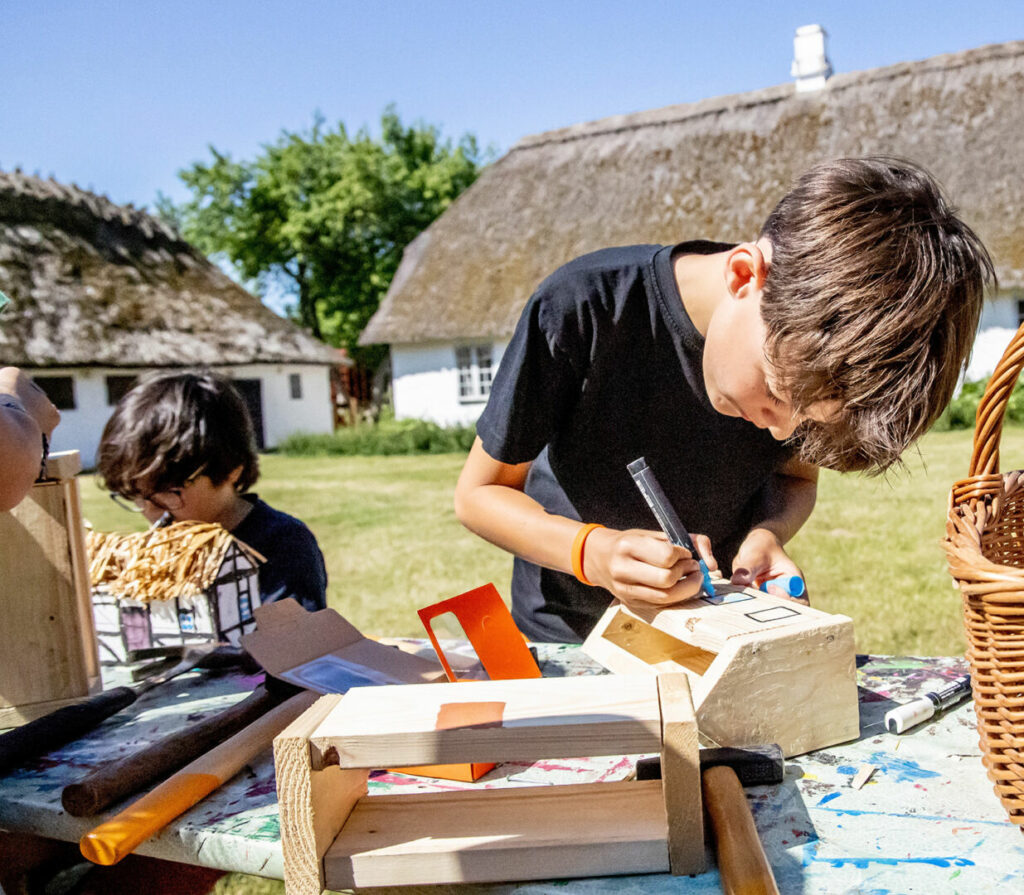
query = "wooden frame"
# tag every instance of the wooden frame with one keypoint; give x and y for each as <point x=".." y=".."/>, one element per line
<point x="47" y="640"/>
<point x="762" y="669"/>
<point x="334" y="836"/>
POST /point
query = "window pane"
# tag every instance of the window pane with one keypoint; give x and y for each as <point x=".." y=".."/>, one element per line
<point x="118" y="387"/>
<point x="59" y="389"/>
<point x="485" y="369"/>
<point x="295" y="384"/>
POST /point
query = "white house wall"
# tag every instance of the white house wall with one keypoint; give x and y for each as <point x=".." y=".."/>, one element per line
<point x="998" y="324"/>
<point x="80" y="428"/>
<point x="425" y="380"/>
<point x="425" y="384"/>
<point x="283" y="416"/>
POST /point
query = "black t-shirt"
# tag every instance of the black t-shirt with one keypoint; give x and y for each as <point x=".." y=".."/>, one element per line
<point x="295" y="566"/>
<point x="605" y="366"/>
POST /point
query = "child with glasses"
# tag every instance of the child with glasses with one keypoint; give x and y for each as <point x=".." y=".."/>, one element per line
<point x="182" y="444"/>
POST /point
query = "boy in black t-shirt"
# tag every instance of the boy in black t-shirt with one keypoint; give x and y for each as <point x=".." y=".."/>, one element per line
<point x="183" y="444"/>
<point x="835" y="339"/>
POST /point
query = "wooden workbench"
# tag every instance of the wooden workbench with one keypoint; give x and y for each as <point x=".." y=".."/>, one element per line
<point x="926" y="822"/>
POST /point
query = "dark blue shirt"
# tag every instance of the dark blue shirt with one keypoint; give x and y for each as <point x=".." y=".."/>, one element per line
<point x="295" y="566"/>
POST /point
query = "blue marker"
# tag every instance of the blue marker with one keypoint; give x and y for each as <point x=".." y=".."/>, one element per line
<point x="792" y="585"/>
<point x="666" y="515"/>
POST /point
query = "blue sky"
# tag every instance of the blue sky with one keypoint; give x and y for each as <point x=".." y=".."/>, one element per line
<point x="118" y="96"/>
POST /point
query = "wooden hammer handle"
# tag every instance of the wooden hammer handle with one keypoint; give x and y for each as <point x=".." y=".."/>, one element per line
<point x="62" y="726"/>
<point x="120" y="835"/>
<point x="117" y="779"/>
<point x="742" y="863"/>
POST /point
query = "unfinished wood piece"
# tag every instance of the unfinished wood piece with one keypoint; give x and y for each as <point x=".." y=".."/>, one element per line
<point x="491" y="835"/>
<point x="500" y="720"/>
<point x="313" y="805"/>
<point x="680" y="775"/>
<point x="762" y="669"/>
<point x="537" y="832"/>
<point x="47" y="639"/>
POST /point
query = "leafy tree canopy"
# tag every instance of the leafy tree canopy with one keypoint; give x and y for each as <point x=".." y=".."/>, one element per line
<point x="325" y="215"/>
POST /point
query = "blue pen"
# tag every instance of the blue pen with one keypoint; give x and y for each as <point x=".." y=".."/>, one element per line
<point x="666" y="515"/>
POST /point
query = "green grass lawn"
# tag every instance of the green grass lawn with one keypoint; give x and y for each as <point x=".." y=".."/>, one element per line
<point x="392" y="543"/>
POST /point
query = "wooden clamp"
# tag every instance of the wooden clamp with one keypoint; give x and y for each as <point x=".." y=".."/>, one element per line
<point x="335" y="836"/>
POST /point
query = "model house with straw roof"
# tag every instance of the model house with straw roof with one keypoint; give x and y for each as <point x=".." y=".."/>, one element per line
<point x="103" y="293"/>
<point x="711" y="169"/>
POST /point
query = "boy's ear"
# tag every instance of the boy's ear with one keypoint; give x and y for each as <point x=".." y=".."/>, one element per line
<point x="745" y="270"/>
<point x="234" y="475"/>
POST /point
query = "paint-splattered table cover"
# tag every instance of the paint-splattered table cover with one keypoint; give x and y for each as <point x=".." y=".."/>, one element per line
<point x="926" y="821"/>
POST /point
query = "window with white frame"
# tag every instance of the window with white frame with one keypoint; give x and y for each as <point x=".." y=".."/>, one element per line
<point x="475" y="372"/>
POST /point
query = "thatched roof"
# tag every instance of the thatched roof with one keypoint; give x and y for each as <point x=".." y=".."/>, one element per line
<point x="712" y="169"/>
<point x="97" y="284"/>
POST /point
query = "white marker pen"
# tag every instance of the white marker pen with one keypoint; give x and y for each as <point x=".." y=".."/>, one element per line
<point x="920" y="710"/>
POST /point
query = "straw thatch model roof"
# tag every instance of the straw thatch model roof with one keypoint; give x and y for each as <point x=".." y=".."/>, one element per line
<point x="712" y="169"/>
<point x="97" y="284"/>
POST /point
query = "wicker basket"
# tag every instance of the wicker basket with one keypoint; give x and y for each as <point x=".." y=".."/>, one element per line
<point x="985" y="548"/>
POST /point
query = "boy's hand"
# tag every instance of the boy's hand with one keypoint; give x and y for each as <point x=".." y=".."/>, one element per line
<point x="760" y="558"/>
<point x="642" y="567"/>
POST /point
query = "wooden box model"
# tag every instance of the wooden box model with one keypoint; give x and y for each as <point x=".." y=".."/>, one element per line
<point x="336" y="836"/>
<point x="762" y="669"/>
<point x="47" y="639"/>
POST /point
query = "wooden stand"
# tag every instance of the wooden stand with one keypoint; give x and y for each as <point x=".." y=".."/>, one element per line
<point x="47" y="638"/>
<point x="762" y="669"/>
<point x="335" y="836"/>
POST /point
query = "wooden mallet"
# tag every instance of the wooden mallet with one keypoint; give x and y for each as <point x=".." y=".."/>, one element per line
<point x="742" y="863"/>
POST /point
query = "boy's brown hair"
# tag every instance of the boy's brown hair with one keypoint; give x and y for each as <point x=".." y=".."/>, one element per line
<point x="171" y="426"/>
<point x="872" y="298"/>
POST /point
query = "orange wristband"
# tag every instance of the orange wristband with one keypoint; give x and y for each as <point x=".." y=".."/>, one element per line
<point x="577" y="551"/>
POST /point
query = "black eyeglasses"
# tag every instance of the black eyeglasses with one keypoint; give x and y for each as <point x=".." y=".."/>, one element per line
<point x="169" y="500"/>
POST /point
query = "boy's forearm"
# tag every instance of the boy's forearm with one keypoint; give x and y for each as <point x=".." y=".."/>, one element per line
<point x="512" y="520"/>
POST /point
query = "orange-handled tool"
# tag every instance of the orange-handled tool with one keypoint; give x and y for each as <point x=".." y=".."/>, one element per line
<point x="121" y="835"/>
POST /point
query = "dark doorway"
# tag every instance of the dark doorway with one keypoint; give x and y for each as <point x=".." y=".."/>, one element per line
<point x="251" y="391"/>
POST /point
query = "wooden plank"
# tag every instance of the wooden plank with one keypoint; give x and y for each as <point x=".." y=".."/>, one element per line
<point x="791" y="668"/>
<point x="524" y="720"/>
<point x="680" y="775"/>
<point x="83" y="586"/>
<point x="313" y="804"/>
<point x="541" y="832"/>
<point x="797" y="689"/>
<point x="40" y="639"/>
<point x="63" y="465"/>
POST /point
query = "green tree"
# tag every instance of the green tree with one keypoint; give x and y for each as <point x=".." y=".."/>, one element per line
<point x="324" y="215"/>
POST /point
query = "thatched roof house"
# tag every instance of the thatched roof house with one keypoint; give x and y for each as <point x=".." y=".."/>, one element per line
<point x="103" y="292"/>
<point x="710" y="169"/>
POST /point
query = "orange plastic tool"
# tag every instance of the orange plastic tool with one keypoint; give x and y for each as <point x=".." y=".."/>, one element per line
<point x="488" y="624"/>
<point x="499" y="646"/>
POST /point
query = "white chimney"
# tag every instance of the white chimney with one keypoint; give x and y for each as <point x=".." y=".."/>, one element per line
<point x="810" y="62"/>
